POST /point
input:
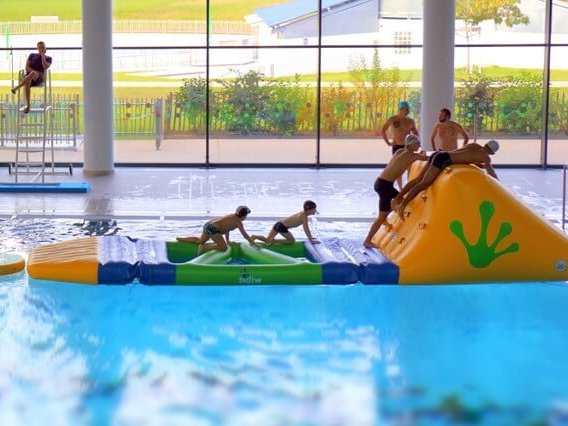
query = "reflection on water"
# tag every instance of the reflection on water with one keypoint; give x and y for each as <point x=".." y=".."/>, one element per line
<point x="300" y="355"/>
<point x="98" y="227"/>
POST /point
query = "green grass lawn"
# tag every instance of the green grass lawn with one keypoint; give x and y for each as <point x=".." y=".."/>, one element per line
<point x="232" y="10"/>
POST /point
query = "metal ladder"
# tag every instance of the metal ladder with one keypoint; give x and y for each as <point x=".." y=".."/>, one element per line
<point x="35" y="154"/>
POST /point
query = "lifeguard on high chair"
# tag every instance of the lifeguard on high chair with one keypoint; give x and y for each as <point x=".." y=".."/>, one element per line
<point x="34" y="74"/>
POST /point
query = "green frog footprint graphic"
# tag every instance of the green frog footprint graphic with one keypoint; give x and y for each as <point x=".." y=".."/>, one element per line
<point x="481" y="254"/>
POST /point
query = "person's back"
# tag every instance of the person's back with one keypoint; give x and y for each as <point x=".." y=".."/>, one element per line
<point x="470" y="153"/>
<point x="226" y="223"/>
<point x="283" y="226"/>
<point x="295" y="220"/>
<point x="448" y="132"/>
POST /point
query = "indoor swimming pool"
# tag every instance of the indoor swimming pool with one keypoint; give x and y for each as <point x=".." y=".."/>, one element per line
<point x="274" y="355"/>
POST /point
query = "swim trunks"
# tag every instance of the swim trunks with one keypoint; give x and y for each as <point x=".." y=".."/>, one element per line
<point x="280" y="228"/>
<point x="210" y="229"/>
<point x="441" y="160"/>
<point x="386" y="192"/>
<point x="396" y="148"/>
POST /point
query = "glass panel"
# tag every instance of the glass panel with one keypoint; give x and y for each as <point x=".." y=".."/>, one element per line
<point x="264" y="22"/>
<point x="350" y="23"/>
<point x="360" y="90"/>
<point x="560" y="22"/>
<point x="558" y="107"/>
<point x="159" y="23"/>
<point x="501" y="98"/>
<point x="263" y="106"/>
<point x="159" y="117"/>
<point x="518" y="23"/>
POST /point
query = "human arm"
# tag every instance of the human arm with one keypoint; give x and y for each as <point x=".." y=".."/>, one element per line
<point x="421" y="156"/>
<point x="29" y="64"/>
<point x="433" y="136"/>
<point x="464" y="134"/>
<point x="413" y="128"/>
<point x="307" y="231"/>
<point x="245" y="235"/>
<point x="384" y="132"/>
<point x="490" y="169"/>
<point x="44" y="63"/>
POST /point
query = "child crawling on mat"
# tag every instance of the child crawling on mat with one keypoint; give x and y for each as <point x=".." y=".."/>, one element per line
<point x="218" y="231"/>
<point x="283" y="226"/>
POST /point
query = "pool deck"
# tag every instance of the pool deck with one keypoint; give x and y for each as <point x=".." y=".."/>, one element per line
<point x="197" y="193"/>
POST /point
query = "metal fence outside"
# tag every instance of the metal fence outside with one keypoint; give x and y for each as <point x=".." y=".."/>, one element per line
<point x="351" y="115"/>
<point x="128" y="26"/>
<point x="65" y="120"/>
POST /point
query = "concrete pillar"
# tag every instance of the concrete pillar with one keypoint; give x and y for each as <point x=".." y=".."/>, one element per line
<point x="97" y="87"/>
<point x="437" y="64"/>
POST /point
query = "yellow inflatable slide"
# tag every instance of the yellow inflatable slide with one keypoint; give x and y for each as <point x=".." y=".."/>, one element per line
<point x="468" y="228"/>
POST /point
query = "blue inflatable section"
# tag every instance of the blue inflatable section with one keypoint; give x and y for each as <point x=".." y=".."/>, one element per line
<point x="124" y="259"/>
<point x="369" y="266"/>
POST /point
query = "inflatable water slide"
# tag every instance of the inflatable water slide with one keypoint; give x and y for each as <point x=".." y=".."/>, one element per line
<point x="465" y="228"/>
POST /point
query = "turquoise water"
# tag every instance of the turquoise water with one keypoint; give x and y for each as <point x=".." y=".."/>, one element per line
<point x="285" y="355"/>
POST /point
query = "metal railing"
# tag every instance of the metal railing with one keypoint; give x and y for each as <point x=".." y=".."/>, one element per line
<point x="65" y="113"/>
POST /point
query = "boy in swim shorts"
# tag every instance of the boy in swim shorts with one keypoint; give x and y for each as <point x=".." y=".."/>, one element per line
<point x="217" y="230"/>
<point x="384" y="185"/>
<point x="283" y="226"/>
<point x="472" y="153"/>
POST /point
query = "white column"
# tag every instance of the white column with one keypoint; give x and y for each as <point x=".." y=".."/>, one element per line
<point x="437" y="64"/>
<point x="97" y="87"/>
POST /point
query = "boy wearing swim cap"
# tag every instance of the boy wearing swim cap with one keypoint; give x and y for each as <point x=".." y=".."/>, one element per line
<point x="402" y="126"/>
<point x="472" y="153"/>
<point x="218" y="231"/>
<point x="384" y="184"/>
<point x="283" y="226"/>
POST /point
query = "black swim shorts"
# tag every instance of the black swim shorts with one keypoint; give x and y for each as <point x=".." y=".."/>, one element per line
<point x="386" y="192"/>
<point x="210" y="229"/>
<point x="280" y="228"/>
<point x="396" y="148"/>
<point x="441" y="160"/>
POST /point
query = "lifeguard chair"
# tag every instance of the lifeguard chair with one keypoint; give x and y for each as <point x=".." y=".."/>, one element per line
<point x="35" y="154"/>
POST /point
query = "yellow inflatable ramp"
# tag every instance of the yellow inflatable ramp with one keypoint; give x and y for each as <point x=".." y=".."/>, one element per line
<point x="468" y="228"/>
<point x="74" y="261"/>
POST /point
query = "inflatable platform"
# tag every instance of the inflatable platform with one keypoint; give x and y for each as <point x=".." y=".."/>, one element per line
<point x="121" y="260"/>
<point x="465" y="228"/>
<point x="468" y="228"/>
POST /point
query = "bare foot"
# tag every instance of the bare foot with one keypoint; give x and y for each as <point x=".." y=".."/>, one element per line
<point x="400" y="211"/>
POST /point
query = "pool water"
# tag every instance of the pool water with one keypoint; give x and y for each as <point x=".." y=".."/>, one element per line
<point x="282" y="355"/>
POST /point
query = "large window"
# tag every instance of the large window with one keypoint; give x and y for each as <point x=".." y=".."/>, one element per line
<point x="278" y="82"/>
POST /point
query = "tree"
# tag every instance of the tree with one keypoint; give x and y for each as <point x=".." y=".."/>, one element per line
<point x="472" y="13"/>
<point x="501" y="11"/>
